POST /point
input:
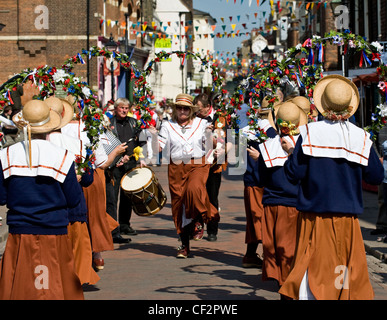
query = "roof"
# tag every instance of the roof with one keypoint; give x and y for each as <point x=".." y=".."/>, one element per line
<point x="198" y="13"/>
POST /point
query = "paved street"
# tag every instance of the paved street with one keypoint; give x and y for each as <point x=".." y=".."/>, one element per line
<point x="147" y="269"/>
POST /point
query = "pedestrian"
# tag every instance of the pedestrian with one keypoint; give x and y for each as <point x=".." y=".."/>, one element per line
<point x="184" y="136"/>
<point x="330" y="160"/>
<point x="38" y="184"/>
<point x="126" y="129"/>
<point x="219" y="127"/>
<point x="78" y="230"/>
<point x="279" y="221"/>
<point x="252" y="193"/>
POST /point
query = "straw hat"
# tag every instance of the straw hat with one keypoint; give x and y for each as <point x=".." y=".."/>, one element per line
<point x="63" y="107"/>
<point x="289" y="113"/>
<point x="38" y="115"/>
<point x="337" y="95"/>
<point x="265" y="111"/>
<point x="304" y="104"/>
<point x="185" y="100"/>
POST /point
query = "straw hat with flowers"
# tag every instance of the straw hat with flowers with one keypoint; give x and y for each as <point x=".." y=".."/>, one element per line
<point x="289" y="117"/>
<point x="336" y="97"/>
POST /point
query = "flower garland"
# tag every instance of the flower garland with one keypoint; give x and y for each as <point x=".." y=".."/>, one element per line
<point x="380" y="114"/>
<point x="50" y="81"/>
<point x="142" y="90"/>
<point x="302" y="67"/>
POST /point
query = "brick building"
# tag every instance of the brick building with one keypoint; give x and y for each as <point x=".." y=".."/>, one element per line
<point x="47" y="32"/>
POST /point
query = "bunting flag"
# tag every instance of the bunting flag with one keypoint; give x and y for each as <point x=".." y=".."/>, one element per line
<point x="170" y="28"/>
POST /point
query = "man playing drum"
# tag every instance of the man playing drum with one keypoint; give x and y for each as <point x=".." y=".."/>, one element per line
<point x="126" y="129"/>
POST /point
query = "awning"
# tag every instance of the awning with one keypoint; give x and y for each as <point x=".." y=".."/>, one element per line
<point x="366" y="78"/>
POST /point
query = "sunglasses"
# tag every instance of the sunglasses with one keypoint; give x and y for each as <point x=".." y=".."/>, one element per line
<point x="183" y="108"/>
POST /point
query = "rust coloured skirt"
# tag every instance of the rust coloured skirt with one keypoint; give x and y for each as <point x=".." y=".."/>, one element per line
<point x="279" y="235"/>
<point x="100" y="222"/>
<point x="187" y="185"/>
<point x="39" y="267"/>
<point x="254" y="213"/>
<point x="83" y="256"/>
<point x="331" y="248"/>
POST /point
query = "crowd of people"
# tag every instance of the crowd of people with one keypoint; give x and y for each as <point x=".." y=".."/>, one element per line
<point x="302" y="190"/>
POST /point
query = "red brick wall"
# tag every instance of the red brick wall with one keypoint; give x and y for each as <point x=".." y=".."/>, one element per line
<point x="66" y="18"/>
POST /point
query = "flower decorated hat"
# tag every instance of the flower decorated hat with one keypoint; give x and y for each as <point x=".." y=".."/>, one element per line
<point x="289" y="118"/>
<point x="265" y="110"/>
<point x="336" y="97"/>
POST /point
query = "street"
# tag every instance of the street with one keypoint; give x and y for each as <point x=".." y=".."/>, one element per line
<point x="147" y="268"/>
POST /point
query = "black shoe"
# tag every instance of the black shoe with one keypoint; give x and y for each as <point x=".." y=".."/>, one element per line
<point x="128" y="231"/>
<point x="377" y="231"/>
<point x="121" y="240"/>
<point x="212" y="237"/>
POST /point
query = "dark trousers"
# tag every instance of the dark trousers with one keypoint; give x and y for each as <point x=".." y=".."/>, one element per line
<point x="115" y="195"/>
<point x="213" y="186"/>
<point x="382" y="217"/>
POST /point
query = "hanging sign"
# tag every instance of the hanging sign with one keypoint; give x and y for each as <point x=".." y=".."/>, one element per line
<point x="165" y="45"/>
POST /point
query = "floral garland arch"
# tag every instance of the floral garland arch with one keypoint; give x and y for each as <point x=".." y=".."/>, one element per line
<point x="50" y="81"/>
<point x="302" y="67"/>
<point x="142" y="92"/>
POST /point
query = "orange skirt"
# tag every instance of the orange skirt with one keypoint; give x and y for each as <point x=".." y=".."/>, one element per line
<point x="187" y="185"/>
<point x="83" y="257"/>
<point x="331" y="249"/>
<point x="39" y="267"/>
<point x="279" y="235"/>
<point x="100" y="223"/>
<point x="254" y="213"/>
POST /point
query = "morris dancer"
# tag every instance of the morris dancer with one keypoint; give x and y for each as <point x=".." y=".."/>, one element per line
<point x="78" y="230"/>
<point x="252" y="193"/>
<point x="330" y="160"/>
<point x="279" y="221"/>
<point x="99" y="221"/>
<point x="206" y="111"/>
<point x="184" y="136"/>
<point x="38" y="187"/>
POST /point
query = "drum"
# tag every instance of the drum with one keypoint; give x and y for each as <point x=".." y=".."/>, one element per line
<point x="145" y="191"/>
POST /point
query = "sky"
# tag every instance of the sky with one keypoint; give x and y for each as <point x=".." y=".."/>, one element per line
<point x="245" y="9"/>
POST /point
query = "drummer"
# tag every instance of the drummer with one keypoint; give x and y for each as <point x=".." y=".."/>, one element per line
<point x="126" y="130"/>
<point x="184" y="136"/>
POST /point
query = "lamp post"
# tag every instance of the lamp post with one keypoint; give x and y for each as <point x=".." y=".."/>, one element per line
<point x="111" y="45"/>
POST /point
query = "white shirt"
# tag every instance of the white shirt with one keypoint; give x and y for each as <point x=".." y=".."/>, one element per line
<point x="76" y="130"/>
<point x="184" y="145"/>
